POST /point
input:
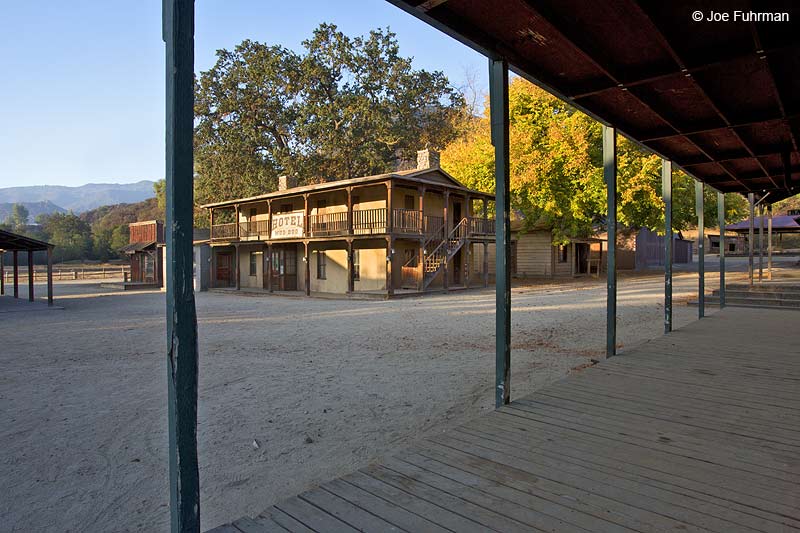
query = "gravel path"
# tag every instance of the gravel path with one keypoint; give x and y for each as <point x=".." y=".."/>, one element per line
<point x="83" y="417"/>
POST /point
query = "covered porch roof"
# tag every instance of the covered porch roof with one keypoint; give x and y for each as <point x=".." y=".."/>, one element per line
<point x="719" y="99"/>
<point x="10" y="242"/>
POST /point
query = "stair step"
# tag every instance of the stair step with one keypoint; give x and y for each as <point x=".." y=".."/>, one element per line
<point x="756" y="302"/>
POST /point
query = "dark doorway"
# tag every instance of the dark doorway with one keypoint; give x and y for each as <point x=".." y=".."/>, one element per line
<point x="224" y="276"/>
<point x="456" y="213"/>
<point x="581" y="258"/>
<point x="284" y="268"/>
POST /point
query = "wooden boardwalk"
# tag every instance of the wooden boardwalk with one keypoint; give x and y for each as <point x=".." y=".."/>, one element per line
<point x="695" y="431"/>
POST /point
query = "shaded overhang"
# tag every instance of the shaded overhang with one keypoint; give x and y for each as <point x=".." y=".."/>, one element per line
<point x="10" y="242"/>
<point x="719" y="99"/>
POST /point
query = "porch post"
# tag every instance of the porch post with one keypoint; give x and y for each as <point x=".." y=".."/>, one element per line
<point x="468" y="266"/>
<point x="351" y="285"/>
<point x="701" y="256"/>
<point x="308" y="268"/>
<point x="666" y="188"/>
<point x="270" y="266"/>
<point x="2" y="272"/>
<point x="211" y="224"/>
<point x="610" y="177"/>
<point x="265" y="270"/>
<point x="761" y="243"/>
<point x="486" y="263"/>
<point x="50" y="276"/>
<point x="721" y="222"/>
<point x="31" y="274"/>
<point x="769" y="243"/>
<point x="389" y="260"/>
<point x="447" y="228"/>
<point x="15" y="255"/>
<point x="750" y="269"/>
<point x="423" y="236"/>
<point x="236" y="261"/>
<point x="498" y="105"/>
<point x="182" y="369"/>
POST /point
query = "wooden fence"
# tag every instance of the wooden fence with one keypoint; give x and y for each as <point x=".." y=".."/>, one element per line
<point x="62" y="274"/>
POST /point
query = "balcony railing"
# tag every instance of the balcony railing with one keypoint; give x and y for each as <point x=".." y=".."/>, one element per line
<point x="328" y="224"/>
<point x="481" y="226"/>
<point x="369" y="221"/>
<point x="254" y="230"/>
<point x="224" y="231"/>
<point x="364" y="222"/>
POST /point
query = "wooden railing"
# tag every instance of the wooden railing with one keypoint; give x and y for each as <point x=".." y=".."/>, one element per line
<point x="407" y="221"/>
<point x="481" y="226"/>
<point x="369" y="221"/>
<point x="224" y="231"/>
<point x="254" y="229"/>
<point x="328" y="224"/>
<point x="434" y="227"/>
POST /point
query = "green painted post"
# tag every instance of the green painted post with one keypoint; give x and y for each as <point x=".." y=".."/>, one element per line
<point x="701" y="249"/>
<point x="721" y="222"/>
<point x="751" y="237"/>
<point x="761" y="243"/>
<point x="610" y="177"/>
<point x="498" y="100"/>
<point x="178" y="29"/>
<point x="666" y="192"/>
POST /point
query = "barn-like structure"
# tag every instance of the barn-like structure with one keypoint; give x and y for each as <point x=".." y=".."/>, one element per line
<point x="16" y="244"/>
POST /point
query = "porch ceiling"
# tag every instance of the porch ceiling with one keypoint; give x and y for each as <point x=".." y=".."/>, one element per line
<point x="720" y="99"/>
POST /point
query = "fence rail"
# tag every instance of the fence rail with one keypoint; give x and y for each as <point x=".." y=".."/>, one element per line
<point x="407" y="221"/>
<point x="254" y="229"/>
<point x="368" y="221"/>
<point x="328" y="224"/>
<point x="224" y="231"/>
<point x="61" y="274"/>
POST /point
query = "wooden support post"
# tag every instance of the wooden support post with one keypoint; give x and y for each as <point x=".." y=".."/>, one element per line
<point x="389" y="260"/>
<point x="701" y="247"/>
<point x="50" y="276"/>
<point x="761" y="243"/>
<point x="182" y="365"/>
<point x="15" y="258"/>
<point x="751" y="236"/>
<point x="349" y="210"/>
<point x="468" y="266"/>
<point x="721" y="222"/>
<point x="265" y="258"/>
<point x="351" y="282"/>
<point x="307" y="256"/>
<point x="31" y="274"/>
<point x="769" y="244"/>
<point x="610" y="177"/>
<point x="270" y="267"/>
<point x="211" y="224"/>
<point x="485" y="266"/>
<point x="2" y="272"/>
<point x="421" y="254"/>
<point x="389" y="207"/>
<point x="666" y="189"/>
<point x="448" y="227"/>
<point x="238" y="271"/>
<point x="498" y="106"/>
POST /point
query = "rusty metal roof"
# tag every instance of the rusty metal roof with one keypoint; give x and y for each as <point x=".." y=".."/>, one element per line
<point x="720" y="99"/>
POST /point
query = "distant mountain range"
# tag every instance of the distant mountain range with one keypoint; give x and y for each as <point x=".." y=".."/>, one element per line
<point x="56" y="198"/>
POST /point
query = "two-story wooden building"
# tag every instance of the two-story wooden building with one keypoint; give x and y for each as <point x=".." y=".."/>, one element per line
<point x="407" y="231"/>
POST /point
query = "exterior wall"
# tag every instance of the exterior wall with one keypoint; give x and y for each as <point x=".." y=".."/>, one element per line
<point x="373" y="197"/>
<point x="202" y="267"/>
<point x="245" y="279"/>
<point x="373" y="269"/>
<point x="563" y="268"/>
<point x="151" y="231"/>
<point x="534" y="254"/>
<point x="335" y="271"/>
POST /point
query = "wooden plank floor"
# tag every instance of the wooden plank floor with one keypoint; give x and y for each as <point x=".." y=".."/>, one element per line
<point x="694" y="431"/>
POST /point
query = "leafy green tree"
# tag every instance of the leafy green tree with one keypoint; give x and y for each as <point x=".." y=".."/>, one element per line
<point x="160" y="188"/>
<point x="345" y="107"/>
<point x="71" y="236"/>
<point x="18" y="218"/>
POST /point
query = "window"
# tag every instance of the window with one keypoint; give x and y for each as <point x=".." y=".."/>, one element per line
<point x="253" y="213"/>
<point x="563" y="253"/>
<point x="253" y="263"/>
<point x="286" y="208"/>
<point x="322" y="204"/>
<point x="356" y="265"/>
<point x="356" y="200"/>
<point x="409" y="202"/>
<point x="322" y="263"/>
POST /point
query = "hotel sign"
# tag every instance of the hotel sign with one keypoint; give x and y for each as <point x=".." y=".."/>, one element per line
<point x="288" y="225"/>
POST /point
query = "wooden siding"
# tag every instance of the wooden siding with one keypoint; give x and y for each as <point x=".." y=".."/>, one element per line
<point x="152" y="231"/>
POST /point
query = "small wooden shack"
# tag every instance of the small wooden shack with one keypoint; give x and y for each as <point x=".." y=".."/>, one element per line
<point x="146" y="253"/>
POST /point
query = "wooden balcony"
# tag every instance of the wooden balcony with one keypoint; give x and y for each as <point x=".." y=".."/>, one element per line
<point x="361" y="222"/>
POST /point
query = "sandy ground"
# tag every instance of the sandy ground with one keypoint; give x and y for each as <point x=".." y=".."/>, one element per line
<point x="82" y="391"/>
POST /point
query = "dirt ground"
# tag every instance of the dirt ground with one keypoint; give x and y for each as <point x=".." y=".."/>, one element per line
<point x="83" y="390"/>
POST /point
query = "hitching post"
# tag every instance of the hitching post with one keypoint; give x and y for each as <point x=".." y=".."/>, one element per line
<point x="178" y="34"/>
<point x="610" y="177"/>
<point x="666" y="188"/>
<point x="498" y="106"/>
<point x="721" y="222"/>
<point x="701" y="255"/>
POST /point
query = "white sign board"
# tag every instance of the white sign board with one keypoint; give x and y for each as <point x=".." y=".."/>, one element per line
<point x="288" y="225"/>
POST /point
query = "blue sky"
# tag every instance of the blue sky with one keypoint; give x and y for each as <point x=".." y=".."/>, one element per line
<point x="82" y="96"/>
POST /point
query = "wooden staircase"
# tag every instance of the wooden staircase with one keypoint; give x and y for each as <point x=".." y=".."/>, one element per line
<point x="444" y="251"/>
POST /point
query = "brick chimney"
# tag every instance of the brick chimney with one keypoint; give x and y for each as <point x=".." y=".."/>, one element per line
<point x="287" y="182"/>
<point x="427" y="159"/>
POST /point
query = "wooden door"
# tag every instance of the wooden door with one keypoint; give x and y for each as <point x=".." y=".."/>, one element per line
<point x="284" y="268"/>
<point x="224" y="270"/>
